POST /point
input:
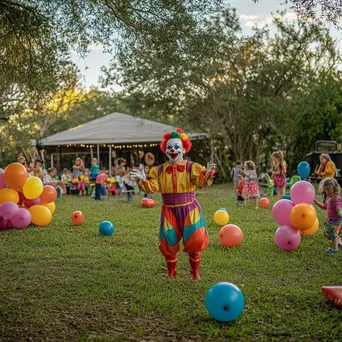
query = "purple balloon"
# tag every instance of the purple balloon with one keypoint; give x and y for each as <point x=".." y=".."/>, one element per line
<point x="29" y="203"/>
<point x="3" y="223"/>
<point x="287" y="238"/>
<point x="8" y="209"/>
<point x="281" y="211"/>
<point x="302" y="192"/>
<point x="21" y="219"/>
<point x="2" y="179"/>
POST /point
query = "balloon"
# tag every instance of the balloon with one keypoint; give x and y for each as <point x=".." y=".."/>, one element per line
<point x="334" y="294"/>
<point x="224" y="301"/>
<point x="51" y="206"/>
<point x="77" y="218"/>
<point x="106" y="228"/>
<point x="221" y="217"/>
<point x="302" y="192"/>
<point x="287" y="238"/>
<point x="264" y="202"/>
<point x="312" y="230"/>
<point x="41" y="215"/>
<point x="8" y="195"/>
<point x="21" y="198"/>
<point x="21" y="219"/>
<point x="15" y="175"/>
<point x="303" y="216"/>
<point x="230" y="235"/>
<point x="33" y="187"/>
<point x="281" y="211"/>
<point x="148" y="202"/>
<point x="9" y="224"/>
<point x="29" y="203"/>
<point x="3" y="222"/>
<point x="48" y="195"/>
<point x="2" y="180"/>
<point x="8" y="209"/>
<point x="303" y="169"/>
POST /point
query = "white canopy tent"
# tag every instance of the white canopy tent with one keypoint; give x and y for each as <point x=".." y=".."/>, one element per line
<point x="115" y="128"/>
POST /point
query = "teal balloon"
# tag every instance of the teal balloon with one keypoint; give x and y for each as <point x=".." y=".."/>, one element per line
<point x="303" y="169"/>
<point x="106" y="228"/>
<point x="224" y="302"/>
<point x="224" y="209"/>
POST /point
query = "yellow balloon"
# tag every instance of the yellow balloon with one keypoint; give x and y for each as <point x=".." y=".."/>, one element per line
<point x="221" y="217"/>
<point x="8" y="195"/>
<point x="33" y="187"/>
<point x="41" y="215"/>
<point x="312" y="230"/>
<point x="51" y="206"/>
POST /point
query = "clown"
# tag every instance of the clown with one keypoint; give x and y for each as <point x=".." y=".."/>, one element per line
<point x="181" y="216"/>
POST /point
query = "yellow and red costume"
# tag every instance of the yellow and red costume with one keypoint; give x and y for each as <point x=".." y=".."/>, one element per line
<point x="181" y="216"/>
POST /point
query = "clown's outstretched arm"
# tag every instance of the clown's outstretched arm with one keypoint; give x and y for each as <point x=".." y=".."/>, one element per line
<point x="201" y="176"/>
<point x="148" y="184"/>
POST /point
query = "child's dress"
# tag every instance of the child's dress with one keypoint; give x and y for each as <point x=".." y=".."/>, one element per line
<point x="250" y="189"/>
<point x="82" y="184"/>
<point x="279" y="178"/>
<point x="333" y="226"/>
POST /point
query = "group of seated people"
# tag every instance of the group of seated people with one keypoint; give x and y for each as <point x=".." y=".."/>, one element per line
<point x="83" y="181"/>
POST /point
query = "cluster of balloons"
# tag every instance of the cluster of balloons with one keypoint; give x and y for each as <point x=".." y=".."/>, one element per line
<point x="230" y="235"/>
<point x="224" y="301"/>
<point x="24" y="199"/>
<point x="296" y="217"/>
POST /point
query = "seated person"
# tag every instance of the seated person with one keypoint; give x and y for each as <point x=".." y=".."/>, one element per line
<point x="53" y="180"/>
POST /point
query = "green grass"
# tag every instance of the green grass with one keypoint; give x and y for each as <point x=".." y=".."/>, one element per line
<point x="68" y="282"/>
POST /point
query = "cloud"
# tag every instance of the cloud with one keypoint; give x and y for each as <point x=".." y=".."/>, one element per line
<point x="262" y="20"/>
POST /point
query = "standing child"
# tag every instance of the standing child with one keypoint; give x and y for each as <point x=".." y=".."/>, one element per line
<point x="94" y="170"/>
<point x="100" y="181"/>
<point x="238" y="193"/>
<point x="279" y="171"/>
<point x="82" y="184"/>
<point x="77" y="168"/>
<point x="236" y="171"/>
<point x="333" y="206"/>
<point x="250" y="189"/>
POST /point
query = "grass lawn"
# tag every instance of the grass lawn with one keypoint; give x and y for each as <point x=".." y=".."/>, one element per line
<point x="64" y="282"/>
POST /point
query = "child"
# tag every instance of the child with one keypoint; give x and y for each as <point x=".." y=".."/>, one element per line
<point x="236" y="171"/>
<point x="37" y="170"/>
<point x="77" y="168"/>
<point x="94" y="170"/>
<point x="279" y="171"/>
<point x="326" y="168"/>
<point x="66" y="179"/>
<point x="333" y="206"/>
<point x="53" y="180"/>
<point x="250" y="189"/>
<point x="100" y="181"/>
<point x="82" y="185"/>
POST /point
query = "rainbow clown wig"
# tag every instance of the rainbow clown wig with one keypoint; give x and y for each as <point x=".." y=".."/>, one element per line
<point x="178" y="133"/>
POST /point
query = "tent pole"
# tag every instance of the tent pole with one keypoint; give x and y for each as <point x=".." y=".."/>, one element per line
<point x="110" y="161"/>
<point x="51" y="160"/>
<point x="211" y="151"/>
<point x="98" y="154"/>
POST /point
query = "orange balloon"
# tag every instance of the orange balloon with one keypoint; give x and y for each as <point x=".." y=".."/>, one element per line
<point x="312" y="230"/>
<point x="230" y="235"/>
<point x="8" y="195"/>
<point x="48" y="195"/>
<point x="51" y="206"/>
<point x="302" y="216"/>
<point x="264" y="202"/>
<point x="77" y="218"/>
<point x="15" y="176"/>
<point x="41" y="215"/>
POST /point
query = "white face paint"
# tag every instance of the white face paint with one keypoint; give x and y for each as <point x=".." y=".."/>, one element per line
<point x="175" y="150"/>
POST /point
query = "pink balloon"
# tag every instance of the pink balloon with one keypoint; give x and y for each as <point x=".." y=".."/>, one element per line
<point x="29" y="203"/>
<point x="2" y="179"/>
<point x="287" y="238"/>
<point x="8" y="209"/>
<point x="21" y="219"/>
<point x="9" y="224"/>
<point x="3" y="223"/>
<point x="302" y="192"/>
<point x="281" y="211"/>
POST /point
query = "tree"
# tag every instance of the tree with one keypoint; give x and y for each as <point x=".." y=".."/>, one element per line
<point x="327" y="10"/>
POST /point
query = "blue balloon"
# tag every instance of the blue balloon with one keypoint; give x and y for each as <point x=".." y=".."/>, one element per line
<point x="303" y="169"/>
<point x="224" y="301"/>
<point x="106" y="228"/>
<point x="224" y="209"/>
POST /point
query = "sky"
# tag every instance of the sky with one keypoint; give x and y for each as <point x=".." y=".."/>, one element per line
<point x="250" y="13"/>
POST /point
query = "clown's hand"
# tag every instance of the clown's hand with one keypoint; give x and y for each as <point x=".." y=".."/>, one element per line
<point x="210" y="168"/>
<point x="138" y="173"/>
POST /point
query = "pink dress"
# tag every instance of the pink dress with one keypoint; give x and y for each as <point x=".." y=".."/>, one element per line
<point x="250" y="189"/>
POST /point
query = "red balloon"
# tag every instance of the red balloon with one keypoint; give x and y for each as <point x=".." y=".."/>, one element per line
<point x="230" y="235"/>
<point x="148" y="203"/>
<point x="77" y="218"/>
<point x="334" y="294"/>
<point x="48" y="195"/>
